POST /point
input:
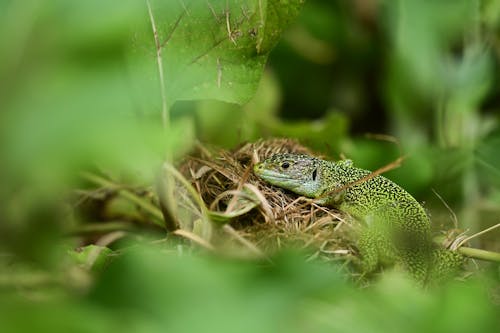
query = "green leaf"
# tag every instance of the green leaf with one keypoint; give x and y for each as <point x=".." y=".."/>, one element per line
<point x="217" y="49"/>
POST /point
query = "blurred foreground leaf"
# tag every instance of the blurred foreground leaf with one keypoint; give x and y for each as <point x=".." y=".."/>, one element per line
<point x="147" y="290"/>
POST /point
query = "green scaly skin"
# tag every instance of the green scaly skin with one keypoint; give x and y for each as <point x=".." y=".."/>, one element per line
<point x="397" y="227"/>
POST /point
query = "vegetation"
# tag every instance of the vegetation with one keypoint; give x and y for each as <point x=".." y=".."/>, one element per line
<point x="127" y="135"/>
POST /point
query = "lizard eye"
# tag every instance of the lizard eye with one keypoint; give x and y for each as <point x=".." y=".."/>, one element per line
<point x="285" y="165"/>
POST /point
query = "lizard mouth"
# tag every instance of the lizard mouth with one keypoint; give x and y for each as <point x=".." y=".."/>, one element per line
<point x="265" y="173"/>
<point x="275" y="178"/>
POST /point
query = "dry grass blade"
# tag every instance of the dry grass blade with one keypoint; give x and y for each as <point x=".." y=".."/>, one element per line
<point x="482" y="232"/>
<point x="264" y="204"/>
<point x="454" y="217"/>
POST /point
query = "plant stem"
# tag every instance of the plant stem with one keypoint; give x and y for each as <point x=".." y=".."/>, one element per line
<point x="164" y="106"/>
<point x="479" y="254"/>
<point x="165" y="184"/>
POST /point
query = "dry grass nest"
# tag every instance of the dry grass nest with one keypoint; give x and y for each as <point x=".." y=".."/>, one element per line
<point x="262" y="217"/>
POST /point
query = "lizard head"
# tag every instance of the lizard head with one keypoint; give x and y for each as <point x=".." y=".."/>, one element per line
<point x="298" y="173"/>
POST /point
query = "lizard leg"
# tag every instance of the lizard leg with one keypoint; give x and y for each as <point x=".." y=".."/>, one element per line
<point x="376" y="250"/>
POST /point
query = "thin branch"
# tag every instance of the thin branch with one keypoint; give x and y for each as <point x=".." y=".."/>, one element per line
<point x="393" y="165"/>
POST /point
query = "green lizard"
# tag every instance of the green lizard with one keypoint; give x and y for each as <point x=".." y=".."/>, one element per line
<point x="397" y="228"/>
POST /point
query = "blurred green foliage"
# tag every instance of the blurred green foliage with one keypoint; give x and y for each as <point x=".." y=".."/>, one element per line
<point x="145" y="290"/>
<point x="80" y="89"/>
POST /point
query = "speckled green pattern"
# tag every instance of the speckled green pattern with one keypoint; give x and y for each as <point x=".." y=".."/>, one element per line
<point x="397" y="229"/>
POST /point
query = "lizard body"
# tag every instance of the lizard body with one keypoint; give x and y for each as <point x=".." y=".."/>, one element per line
<point x="397" y="228"/>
